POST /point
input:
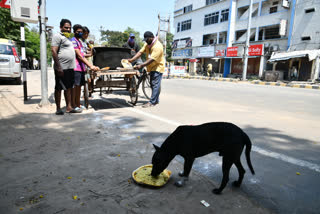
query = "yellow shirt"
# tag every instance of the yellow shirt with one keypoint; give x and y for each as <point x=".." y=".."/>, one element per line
<point x="155" y="53"/>
<point x="209" y="67"/>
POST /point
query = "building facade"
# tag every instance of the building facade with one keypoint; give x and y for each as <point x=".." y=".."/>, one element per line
<point x="283" y="34"/>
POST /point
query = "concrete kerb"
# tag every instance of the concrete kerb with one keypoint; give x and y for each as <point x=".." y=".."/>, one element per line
<point x="309" y="86"/>
<point x="256" y="82"/>
<point x="203" y="78"/>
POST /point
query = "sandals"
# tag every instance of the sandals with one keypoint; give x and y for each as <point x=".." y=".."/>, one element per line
<point x="59" y="112"/>
<point x="75" y="110"/>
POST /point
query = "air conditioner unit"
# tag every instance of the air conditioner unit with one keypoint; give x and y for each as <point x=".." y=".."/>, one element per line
<point x="285" y="3"/>
<point x="24" y="11"/>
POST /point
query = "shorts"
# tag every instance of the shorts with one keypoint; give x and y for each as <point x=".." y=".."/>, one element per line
<point x="79" y="79"/>
<point x="65" y="82"/>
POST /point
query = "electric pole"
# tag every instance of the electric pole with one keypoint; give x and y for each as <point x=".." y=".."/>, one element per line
<point x="164" y="28"/>
<point x="43" y="54"/>
<point x="246" y="53"/>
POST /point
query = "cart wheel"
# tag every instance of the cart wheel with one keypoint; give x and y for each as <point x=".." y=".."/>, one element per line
<point x="86" y="95"/>
<point x="133" y="90"/>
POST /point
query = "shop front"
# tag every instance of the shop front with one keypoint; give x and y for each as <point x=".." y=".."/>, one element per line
<point x="255" y="60"/>
<point x="302" y="65"/>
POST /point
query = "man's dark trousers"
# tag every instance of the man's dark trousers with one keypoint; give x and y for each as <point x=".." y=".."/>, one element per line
<point x="155" y="78"/>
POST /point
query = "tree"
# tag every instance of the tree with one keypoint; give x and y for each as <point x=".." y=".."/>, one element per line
<point x="8" y="28"/>
<point x="169" y="46"/>
<point x="112" y="38"/>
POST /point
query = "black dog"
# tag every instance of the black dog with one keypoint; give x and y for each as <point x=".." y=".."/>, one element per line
<point x="195" y="141"/>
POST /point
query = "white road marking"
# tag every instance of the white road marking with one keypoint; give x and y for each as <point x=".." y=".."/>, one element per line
<point x="261" y="151"/>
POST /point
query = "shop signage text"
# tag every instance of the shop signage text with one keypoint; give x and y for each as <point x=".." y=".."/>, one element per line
<point x="206" y="52"/>
<point x="184" y="53"/>
<point x="256" y="50"/>
<point x="232" y="51"/>
<point x="221" y="52"/>
<point x="178" y="70"/>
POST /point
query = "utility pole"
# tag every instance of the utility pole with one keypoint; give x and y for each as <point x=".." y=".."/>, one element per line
<point x="24" y="61"/>
<point x="43" y="54"/>
<point x="246" y="53"/>
<point x="166" y="28"/>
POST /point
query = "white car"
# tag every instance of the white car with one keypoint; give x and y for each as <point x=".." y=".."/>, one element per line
<point x="10" y="64"/>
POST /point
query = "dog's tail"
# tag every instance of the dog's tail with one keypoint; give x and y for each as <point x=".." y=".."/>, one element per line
<point x="248" y="150"/>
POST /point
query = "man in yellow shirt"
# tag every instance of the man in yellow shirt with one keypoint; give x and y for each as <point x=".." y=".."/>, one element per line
<point x="155" y="65"/>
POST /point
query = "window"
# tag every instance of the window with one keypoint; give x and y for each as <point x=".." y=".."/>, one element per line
<point x="274" y="7"/>
<point x="187" y="9"/>
<point x="311" y="10"/>
<point x="209" y="39"/>
<point x="240" y="33"/>
<point x="6" y="49"/>
<point x="223" y="37"/>
<point x="208" y="2"/>
<point x="269" y="33"/>
<point x="305" y="38"/>
<point x="178" y="27"/>
<point x="186" y="25"/>
<point x="211" y="18"/>
<point x="224" y="15"/>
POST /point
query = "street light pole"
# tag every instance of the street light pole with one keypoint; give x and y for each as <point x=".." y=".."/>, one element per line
<point x="43" y="54"/>
<point x="246" y="53"/>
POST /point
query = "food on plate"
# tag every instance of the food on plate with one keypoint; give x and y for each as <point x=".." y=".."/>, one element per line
<point x="142" y="175"/>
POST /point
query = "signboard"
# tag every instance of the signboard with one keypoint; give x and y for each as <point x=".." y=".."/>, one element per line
<point x="283" y="27"/>
<point x="181" y="43"/>
<point x="184" y="53"/>
<point x="174" y="44"/>
<point x="232" y="51"/>
<point x="189" y="43"/>
<point x="256" y="50"/>
<point x="178" y="70"/>
<point x="24" y="11"/>
<point x="5" y="3"/>
<point x="194" y="60"/>
<point x="221" y="52"/>
<point x="206" y="51"/>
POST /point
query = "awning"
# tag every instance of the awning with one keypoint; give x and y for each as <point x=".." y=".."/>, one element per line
<point x="311" y="54"/>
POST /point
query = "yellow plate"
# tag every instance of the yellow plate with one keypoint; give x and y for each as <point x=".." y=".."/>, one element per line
<point x="142" y="176"/>
<point x="126" y="64"/>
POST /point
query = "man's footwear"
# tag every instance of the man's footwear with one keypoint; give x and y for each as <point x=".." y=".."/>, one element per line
<point x="59" y="112"/>
<point x="75" y="110"/>
<point x="147" y="105"/>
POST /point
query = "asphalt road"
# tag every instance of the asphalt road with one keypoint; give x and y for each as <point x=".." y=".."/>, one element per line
<point x="281" y="122"/>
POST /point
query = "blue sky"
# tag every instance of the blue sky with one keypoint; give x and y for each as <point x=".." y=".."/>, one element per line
<point x="141" y="15"/>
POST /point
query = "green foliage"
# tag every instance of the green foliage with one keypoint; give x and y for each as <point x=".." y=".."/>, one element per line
<point x="118" y="38"/>
<point x="8" y="28"/>
<point x="169" y="46"/>
<point x="32" y="43"/>
<point x="112" y="38"/>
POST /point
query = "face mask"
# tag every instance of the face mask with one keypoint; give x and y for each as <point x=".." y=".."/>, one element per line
<point x="78" y="35"/>
<point x="66" y="34"/>
<point x="149" y="41"/>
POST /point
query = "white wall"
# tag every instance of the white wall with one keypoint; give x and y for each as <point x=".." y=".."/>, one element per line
<point x="197" y="27"/>
<point x="306" y="24"/>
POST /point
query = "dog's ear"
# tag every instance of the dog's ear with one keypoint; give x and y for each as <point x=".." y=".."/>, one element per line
<point x="156" y="147"/>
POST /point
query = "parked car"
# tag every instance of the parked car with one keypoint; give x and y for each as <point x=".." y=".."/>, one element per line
<point x="10" y="63"/>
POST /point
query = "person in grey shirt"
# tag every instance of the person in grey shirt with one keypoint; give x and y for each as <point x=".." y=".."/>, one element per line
<point x="64" y="63"/>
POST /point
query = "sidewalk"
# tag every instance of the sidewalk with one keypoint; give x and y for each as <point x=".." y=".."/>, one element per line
<point x="293" y="84"/>
<point x="47" y="160"/>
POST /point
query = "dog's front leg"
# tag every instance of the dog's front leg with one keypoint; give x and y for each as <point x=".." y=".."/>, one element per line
<point x="188" y="162"/>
